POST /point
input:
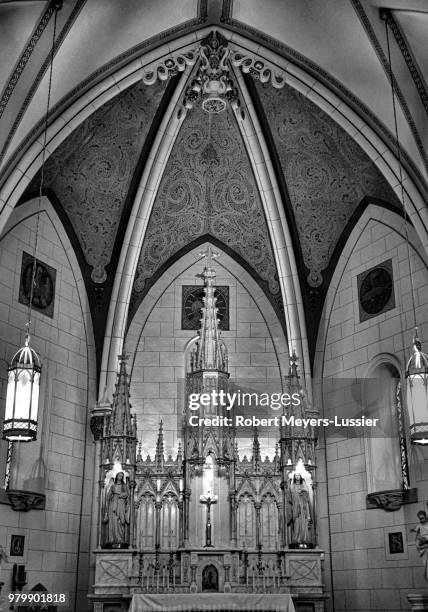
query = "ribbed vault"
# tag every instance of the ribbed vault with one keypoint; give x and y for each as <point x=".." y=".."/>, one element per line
<point x="90" y="173"/>
<point x="326" y="182"/>
<point x="208" y="189"/>
<point x="326" y="172"/>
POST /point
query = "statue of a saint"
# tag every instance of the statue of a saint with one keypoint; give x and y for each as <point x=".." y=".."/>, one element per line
<point x="301" y="513"/>
<point x="421" y="539"/>
<point x="116" y="513"/>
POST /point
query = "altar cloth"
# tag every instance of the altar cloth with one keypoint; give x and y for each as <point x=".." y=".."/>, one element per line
<point x="204" y="602"/>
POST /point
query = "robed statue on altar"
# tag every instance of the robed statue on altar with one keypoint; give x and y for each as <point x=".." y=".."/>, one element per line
<point x="117" y="512"/>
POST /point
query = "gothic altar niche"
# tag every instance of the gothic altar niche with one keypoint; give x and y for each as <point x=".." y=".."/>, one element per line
<point x="207" y="520"/>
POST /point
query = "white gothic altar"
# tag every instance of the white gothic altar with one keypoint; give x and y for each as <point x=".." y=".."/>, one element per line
<point x="207" y="522"/>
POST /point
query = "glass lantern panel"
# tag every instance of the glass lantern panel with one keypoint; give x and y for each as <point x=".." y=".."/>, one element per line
<point x="10" y="396"/>
<point x="417" y="404"/>
<point x="35" y="396"/>
<point x="23" y="395"/>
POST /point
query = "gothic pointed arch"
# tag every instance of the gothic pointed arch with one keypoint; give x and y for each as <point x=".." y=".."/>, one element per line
<point x="208" y="189"/>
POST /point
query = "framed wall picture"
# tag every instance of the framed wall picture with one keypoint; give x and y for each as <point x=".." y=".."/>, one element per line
<point x="376" y="290"/>
<point x="43" y="294"/>
<point x="395" y="544"/>
<point x="192" y="303"/>
<point x="17" y="545"/>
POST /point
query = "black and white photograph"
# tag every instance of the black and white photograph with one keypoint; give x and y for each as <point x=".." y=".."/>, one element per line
<point x="214" y="305"/>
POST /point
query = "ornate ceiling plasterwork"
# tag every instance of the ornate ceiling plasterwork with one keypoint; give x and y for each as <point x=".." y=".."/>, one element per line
<point x="326" y="172"/>
<point x="212" y="84"/>
<point x="208" y="188"/>
<point x="91" y="171"/>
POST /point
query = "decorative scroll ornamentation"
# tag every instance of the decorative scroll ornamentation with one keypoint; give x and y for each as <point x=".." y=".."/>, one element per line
<point x="208" y="188"/>
<point x="326" y="172"/>
<point x="91" y="170"/>
<point x="391" y="500"/>
<point x="170" y="67"/>
<point x="23" y="501"/>
<point x="258" y="69"/>
<point x="213" y="84"/>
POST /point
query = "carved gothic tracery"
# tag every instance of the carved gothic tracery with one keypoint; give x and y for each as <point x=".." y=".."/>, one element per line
<point x="209" y="518"/>
<point x="212" y="86"/>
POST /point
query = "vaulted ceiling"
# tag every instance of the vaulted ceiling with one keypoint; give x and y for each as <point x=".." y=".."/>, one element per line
<point x="208" y="188"/>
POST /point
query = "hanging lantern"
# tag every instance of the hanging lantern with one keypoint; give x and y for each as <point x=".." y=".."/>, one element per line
<point x="417" y="393"/>
<point x="22" y="399"/>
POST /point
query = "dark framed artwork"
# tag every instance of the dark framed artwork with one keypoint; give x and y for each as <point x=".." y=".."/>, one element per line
<point x="43" y="298"/>
<point x="17" y="545"/>
<point x="192" y="303"/>
<point x="376" y="290"/>
<point x="396" y="543"/>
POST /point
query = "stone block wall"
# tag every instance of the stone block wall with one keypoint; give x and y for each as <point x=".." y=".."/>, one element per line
<point x="57" y="543"/>
<point x="255" y="343"/>
<point x="365" y="575"/>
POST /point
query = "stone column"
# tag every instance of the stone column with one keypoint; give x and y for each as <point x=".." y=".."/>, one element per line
<point x="181" y="523"/>
<point x="258" y="506"/>
<point x="158" y="508"/>
<point x="186" y="516"/>
<point x="193" y="585"/>
<point x="97" y="424"/>
<point x="132" y="512"/>
<point x="284" y="517"/>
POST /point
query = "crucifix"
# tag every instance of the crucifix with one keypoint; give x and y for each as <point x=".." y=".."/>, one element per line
<point x="208" y="501"/>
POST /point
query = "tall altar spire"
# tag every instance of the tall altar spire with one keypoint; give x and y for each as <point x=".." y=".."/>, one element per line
<point x="121" y="422"/>
<point x="210" y="352"/>
<point x="257" y="458"/>
<point x="160" y="451"/>
<point x="208" y="373"/>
